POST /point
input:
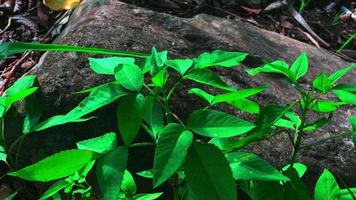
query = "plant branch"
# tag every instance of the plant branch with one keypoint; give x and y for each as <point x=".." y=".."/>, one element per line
<point x="321" y="141"/>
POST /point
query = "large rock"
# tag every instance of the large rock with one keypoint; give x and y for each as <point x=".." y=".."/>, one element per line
<point x="116" y="25"/>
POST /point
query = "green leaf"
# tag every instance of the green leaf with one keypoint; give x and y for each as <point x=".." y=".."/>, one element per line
<point x="23" y="83"/>
<point x="219" y="58"/>
<point x="128" y="184"/>
<point x="295" y="189"/>
<point x="153" y="115"/>
<point x="346" y="96"/>
<point x="352" y="121"/>
<point x="160" y="79"/>
<point x="110" y="171"/>
<point x="246" y="105"/>
<point x="208" y="174"/>
<point x="146" y="174"/>
<point x="345" y="87"/>
<point x="278" y="66"/>
<point x="156" y="61"/>
<point x="345" y="194"/>
<point x="170" y="153"/>
<point x="339" y="74"/>
<point x="237" y="95"/>
<point x="326" y="187"/>
<point x="325" y="106"/>
<point x="33" y="111"/>
<point x="19" y="96"/>
<point x="180" y="65"/>
<point x="98" y="98"/>
<point x="3" y="155"/>
<point x="299" y="167"/>
<point x="57" y="166"/>
<point x="85" y="171"/>
<point x="322" y="83"/>
<point x="151" y="196"/>
<point x="10" y="48"/>
<point x="248" y="166"/>
<point x="101" y="144"/>
<point x="202" y="94"/>
<point x="318" y="123"/>
<point x="54" y="189"/>
<point x="300" y="66"/>
<point x="271" y="114"/>
<point x="129" y="116"/>
<point x="285" y="124"/>
<point x="213" y="123"/>
<point x="108" y="65"/>
<point x="129" y="76"/>
<point x="208" y="77"/>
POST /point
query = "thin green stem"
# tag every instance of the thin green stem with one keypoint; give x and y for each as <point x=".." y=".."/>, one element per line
<point x="142" y="144"/>
<point x="341" y="135"/>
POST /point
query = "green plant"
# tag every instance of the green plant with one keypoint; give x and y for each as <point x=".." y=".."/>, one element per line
<point x="346" y="42"/>
<point x="198" y="157"/>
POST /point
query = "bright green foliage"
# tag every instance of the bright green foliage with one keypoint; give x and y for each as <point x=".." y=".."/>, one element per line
<point x="208" y="175"/>
<point x="340" y="73"/>
<point x="152" y="196"/>
<point x="248" y="166"/>
<point x="219" y="58"/>
<point x="194" y="168"/>
<point x="208" y="77"/>
<point x="180" y="65"/>
<point x="300" y="66"/>
<point x="213" y="123"/>
<point x="3" y="155"/>
<point x="21" y="89"/>
<point x="107" y="65"/>
<point x="56" y="166"/>
<point x="326" y="106"/>
<point x="155" y="61"/>
<point x="146" y="174"/>
<point x="54" y="189"/>
<point x="130" y="76"/>
<point x="322" y="83"/>
<point x="346" y="93"/>
<point x="160" y="79"/>
<point x="10" y="48"/>
<point x="153" y="115"/>
<point x="21" y="84"/>
<point x="128" y="183"/>
<point x="299" y="167"/>
<point x="202" y="94"/>
<point x="346" y="194"/>
<point x="326" y="187"/>
<point x="171" y="150"/>
<point x="298" y="69"/>
<point x="353" y="125"/>
<point x="101" y="144"/>
<point x="129" y="116"/>
<point x="110" y="171"/>
<point x="98" y="98"/>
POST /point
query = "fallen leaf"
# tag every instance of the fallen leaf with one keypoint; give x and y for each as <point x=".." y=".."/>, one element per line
<point x="58" y="5"/>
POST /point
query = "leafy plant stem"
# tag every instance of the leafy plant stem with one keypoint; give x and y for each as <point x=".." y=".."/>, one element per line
<point x="341" y="135"/>
<point x="142" y="144"/>
<point x="300" y="132"/>
<point x="2" y="124"/>
<point x="167" y="98"/>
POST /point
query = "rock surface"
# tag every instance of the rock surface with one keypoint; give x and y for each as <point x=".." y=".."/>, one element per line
<point x="116" y="25"/>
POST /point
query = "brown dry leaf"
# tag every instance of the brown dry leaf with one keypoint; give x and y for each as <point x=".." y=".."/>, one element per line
<point x="59" y="5"/>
